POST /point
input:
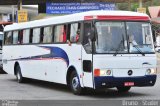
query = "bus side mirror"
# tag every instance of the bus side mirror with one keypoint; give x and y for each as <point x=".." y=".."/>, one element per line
<point x="91" y="34"/>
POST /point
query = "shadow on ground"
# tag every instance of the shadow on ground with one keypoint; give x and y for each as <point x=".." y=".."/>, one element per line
<point x="2" y="72"/>
<point x="101" y="94"/>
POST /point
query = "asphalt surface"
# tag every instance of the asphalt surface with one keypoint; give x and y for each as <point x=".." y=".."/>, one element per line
<point x="40" y="90"/>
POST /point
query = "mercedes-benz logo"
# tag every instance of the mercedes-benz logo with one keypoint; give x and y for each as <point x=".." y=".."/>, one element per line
<point x="130" y="72"/>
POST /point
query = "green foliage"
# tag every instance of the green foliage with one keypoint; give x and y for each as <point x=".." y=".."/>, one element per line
<point x="156" y="2"/>
<point x="122" y="6"/>
<point x="135" y="5"/>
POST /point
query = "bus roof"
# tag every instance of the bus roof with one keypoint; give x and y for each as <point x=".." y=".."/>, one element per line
<point x="97" y="14"/>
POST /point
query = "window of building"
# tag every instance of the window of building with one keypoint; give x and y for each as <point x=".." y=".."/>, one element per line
<point x="36" y="35"/>
<point x="8" y="38"/>
<point x="26" y="34"/>
<point x="15" y="37"/>
<point x="48" y="32"/>
<point x="60" y="33"/>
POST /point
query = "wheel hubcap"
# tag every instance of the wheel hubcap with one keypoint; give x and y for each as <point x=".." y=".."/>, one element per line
<point x="75" y="83"/>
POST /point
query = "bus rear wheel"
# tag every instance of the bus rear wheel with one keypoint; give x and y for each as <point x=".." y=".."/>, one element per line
<point x="123" y="89"/>
<point x="75" y="84"/>
<point x="19" y="76"/>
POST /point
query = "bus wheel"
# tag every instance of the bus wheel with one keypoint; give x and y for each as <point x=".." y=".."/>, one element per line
<point x="123" y="89"/>
<point x="75" y="84"/>
<point x="18" y="74"/>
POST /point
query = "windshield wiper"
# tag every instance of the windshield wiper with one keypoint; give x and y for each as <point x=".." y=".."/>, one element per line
<point x="143" y="54"/>
<point x="118" y="49"/>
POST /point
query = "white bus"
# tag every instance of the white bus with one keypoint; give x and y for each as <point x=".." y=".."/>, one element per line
<point x="113" y="49"/>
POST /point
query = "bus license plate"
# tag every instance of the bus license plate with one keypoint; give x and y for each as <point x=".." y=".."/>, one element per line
<point x="129" y="84"/>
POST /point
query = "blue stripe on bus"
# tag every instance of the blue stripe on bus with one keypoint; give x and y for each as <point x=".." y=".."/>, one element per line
<point x="55" y="53"/>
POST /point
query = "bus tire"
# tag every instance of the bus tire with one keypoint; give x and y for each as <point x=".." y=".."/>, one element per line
<point x="75" y="84"/>
<point x="19" y="76"/>
<point x="123" y="89"/>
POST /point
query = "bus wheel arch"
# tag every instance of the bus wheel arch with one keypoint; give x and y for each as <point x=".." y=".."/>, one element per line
<point x="17" y="72"/>
<point x="69" y="72"/>
<point x="73" y="76"/>
<point x="15" y="65"/>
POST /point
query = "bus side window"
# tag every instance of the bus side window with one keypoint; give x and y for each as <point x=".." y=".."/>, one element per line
<point x="8" y="38"/>
<point x="36" y="35"/>
<point x="48" y="32"/>
<point x="56" y="34"/>
<point x="26" y="34"/>
<point x="60" y="34"/>
<point x="75" y="32"/>
<point x="20" y="37"/>
<point x="15" y="37"/>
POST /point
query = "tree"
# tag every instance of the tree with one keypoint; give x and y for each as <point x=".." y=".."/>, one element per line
<point x="135" y="5"/>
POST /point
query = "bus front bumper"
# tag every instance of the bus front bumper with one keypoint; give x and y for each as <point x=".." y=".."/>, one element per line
<point x="110" y="81"/>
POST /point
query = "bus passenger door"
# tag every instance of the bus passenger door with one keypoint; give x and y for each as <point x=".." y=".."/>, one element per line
<point x="87" y="69"/>
<point x="87" y="57"/>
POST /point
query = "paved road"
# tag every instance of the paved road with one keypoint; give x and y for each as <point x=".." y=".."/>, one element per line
<point x="39" y="90"/>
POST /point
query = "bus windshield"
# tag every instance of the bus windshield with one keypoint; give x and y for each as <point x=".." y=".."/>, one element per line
<point x="123" y="37"/>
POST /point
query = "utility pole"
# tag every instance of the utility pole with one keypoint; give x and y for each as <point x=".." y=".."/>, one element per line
<point x="19" y="5"/>
<point x="129" y="5"/>
<point x="140" y="4"/>
<point x="13" y="13"/>
<point x="22" y="15"/>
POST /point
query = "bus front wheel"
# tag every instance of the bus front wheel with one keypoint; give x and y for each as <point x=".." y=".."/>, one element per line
<point x="19" y="74"/>
<point x="75" y="84"/>
<point x="123" y="89"/>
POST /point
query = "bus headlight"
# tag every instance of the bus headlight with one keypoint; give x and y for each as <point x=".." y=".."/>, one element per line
<point x="150" y="71"/>
<point x="102" y="72"/>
